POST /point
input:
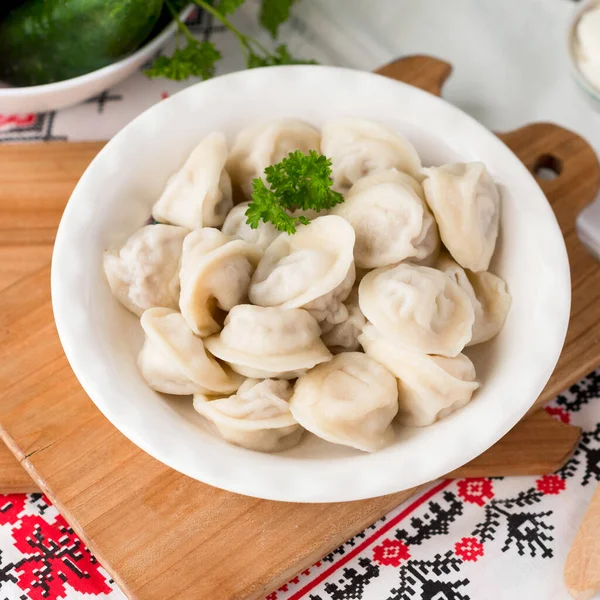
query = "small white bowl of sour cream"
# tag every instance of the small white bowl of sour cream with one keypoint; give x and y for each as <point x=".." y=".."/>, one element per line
<point x="584" y="50"/>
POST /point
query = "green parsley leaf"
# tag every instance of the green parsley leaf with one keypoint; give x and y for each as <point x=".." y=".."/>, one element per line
<point x="264" y="207"/>
<point x="300" y="181"/>
<point x="228" y="7"/>
<point x="281" y="56"/>
<point x="303" y="181"/>
<point x="274" y="13"/>
<point x="197" y="59"/>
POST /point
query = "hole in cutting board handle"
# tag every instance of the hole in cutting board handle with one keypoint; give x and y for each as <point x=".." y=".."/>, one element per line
<point x="547" y="167"/>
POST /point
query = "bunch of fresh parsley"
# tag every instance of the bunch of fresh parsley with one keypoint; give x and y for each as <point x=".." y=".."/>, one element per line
<point x="298" y="182"/>
<point x="198" y="58"/>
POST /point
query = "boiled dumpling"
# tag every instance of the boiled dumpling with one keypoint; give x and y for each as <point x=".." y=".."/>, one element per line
<point x="330" y="308"/>
<point x="429" y="387"/>
<point x="215" y="275"/>
<point x="263" y="144"/>
<point x="418" y="308"/>
<point x="488" y="294"/>
<point x="343" y="337"/>
<point x="256" y="417"/>
<point x="358" y="147"/>
<point x="263" y="342"/>
<point x="145" y="272"/>
<point x="390" y="220"/>
<point x="350" y="400"/>
<point x="466" y="204"/>
<point x="199" y="194"/>
<point x="236" y="225"/>
<point x="413" y="183"/>
<point x="312" y="269"/>
<point x="174" y="361"/>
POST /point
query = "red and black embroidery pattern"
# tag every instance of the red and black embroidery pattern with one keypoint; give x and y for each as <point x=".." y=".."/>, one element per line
<point x="53" y="562"/>
<point x="28" y="127"/>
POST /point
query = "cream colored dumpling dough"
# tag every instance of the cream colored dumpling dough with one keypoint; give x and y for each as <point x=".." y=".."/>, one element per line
<point x="488" y="294"/>
<point x="263" y="144"/>
<point x="390" y="220"/>
<point x="236" y="226"/>
<point x="466" y="204"/>
<point x="215" y="275"/>
<point x="144" y="273"/>
<point x="429" y="387"/>
<point x="358" y="147"/>
<point x="256" y="417"/>
<point x="419" y="308"/>
<point x="343" y="337"/>
<point x="312" y="269"/>
<point x="263" y="342"/>
<point x="175" y="361"/>
<point x="350" y="400"/>
<point x="199" y="194"/>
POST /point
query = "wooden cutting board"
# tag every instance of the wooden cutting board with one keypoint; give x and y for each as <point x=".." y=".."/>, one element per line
<point x="161" y="535"/>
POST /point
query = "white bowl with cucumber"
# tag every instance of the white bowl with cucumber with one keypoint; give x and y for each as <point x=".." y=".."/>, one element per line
<point x="59" y="53"/>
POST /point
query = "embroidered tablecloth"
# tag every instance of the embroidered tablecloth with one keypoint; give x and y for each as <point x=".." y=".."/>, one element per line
<point x="478" y="539"/>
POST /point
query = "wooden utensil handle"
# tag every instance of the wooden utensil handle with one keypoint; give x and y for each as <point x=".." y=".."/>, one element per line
<point x="582" y="569"/>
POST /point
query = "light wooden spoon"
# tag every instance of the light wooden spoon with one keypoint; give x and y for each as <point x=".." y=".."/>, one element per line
<point x="582" y="569"/>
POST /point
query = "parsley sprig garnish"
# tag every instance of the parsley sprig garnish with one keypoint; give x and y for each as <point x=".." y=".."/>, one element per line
<point x="198" y="58"/>
<point x="298" y="182"/>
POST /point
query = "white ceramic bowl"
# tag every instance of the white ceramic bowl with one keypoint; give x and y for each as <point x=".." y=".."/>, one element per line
<point x="113" y="198"/>
<point x="591" y="93"/>
<point x="53" y="96"/>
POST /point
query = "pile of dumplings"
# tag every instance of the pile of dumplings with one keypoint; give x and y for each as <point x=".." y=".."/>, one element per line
<point x="356" y="321"/>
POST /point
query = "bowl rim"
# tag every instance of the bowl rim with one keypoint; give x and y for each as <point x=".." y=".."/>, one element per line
<point x="267" y="485"/>
<point x="582" y="81"/>
<point x="11" y="92"/>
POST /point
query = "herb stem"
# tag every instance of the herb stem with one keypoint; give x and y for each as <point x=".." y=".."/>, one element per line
<point x="197" y="58"/>
<point x="180" y="25"/>
<point x="244" y="40"/>
<point x="215" y="13"/>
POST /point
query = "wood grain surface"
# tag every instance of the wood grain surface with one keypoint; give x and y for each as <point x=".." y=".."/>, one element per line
<point x="13" y="477"/>
<point x="162" y="535"/>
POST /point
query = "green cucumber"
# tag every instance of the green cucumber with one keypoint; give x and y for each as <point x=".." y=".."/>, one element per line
<point x="43" y="41"/>
<point x="9" y="5"/>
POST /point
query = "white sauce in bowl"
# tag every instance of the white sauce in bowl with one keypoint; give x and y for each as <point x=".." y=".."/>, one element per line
<point x="587" y="45"/>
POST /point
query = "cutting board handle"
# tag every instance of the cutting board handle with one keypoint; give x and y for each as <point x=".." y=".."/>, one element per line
<point x="560" y="151"/>
<point x="425" y="72"/>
